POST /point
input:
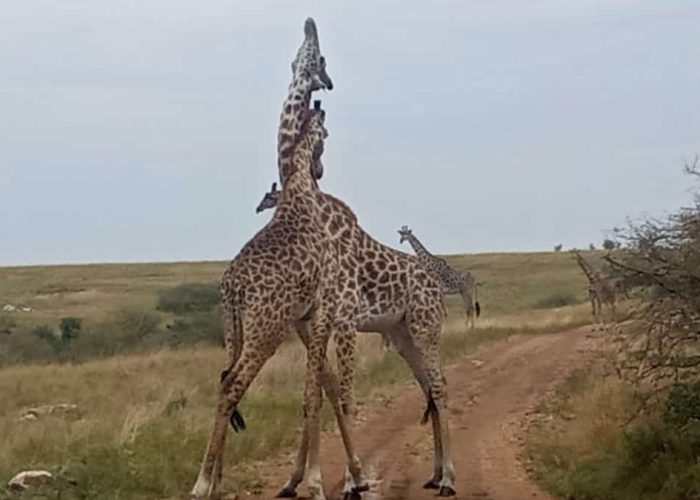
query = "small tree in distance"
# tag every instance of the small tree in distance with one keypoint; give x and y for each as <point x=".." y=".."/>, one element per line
<point x="557" y="248"/>
<point x="609" y="244"/>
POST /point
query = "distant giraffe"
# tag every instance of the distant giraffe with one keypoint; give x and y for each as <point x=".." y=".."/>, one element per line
<point x="453" y="281"/>
<point x="601" y="289"/>
<point x="389" y="292"/>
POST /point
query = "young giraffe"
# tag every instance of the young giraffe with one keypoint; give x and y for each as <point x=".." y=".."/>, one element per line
<point x="385" y="291"/>
<point x="284" y="276"/>
<point x="453" y="281"/>
<point x="601" y="289"/>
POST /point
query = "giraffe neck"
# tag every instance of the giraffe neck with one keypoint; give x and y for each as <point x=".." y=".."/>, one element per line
<point x="586" y="268"/>
<point x="300" y="188"/>
<point x="421" y="252"/>
<point x="294" y="110"/>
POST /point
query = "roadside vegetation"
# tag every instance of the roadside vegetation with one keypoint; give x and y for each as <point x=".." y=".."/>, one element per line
<point x="629" y="427"/>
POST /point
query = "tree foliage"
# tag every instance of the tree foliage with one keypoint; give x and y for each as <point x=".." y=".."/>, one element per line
<point x="661" y="265"/>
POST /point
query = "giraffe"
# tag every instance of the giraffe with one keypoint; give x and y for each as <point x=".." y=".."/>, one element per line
<point x="386" y="291"/>
<point x="453" y="281"/>
<point x="601" y="289"/>
<point x="285" y="276"/>
<point x="280" y="278"/>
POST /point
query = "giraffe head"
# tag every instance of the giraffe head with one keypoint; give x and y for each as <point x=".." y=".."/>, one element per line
<point x="405" y="233"/>
<point x="309" y="65"/>
<point x="270" y="199"/>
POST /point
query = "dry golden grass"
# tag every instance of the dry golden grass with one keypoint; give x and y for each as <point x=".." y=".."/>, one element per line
<point x="143" y="419"/>
<point x="585" y="417"/>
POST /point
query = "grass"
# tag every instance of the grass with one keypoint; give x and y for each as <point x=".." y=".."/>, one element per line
<point x="144" y="418"/>
<point x="583" y="447"/>
<point x="512" y="282"/>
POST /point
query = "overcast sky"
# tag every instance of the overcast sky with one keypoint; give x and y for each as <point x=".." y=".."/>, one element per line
<point x="145" y="130"/>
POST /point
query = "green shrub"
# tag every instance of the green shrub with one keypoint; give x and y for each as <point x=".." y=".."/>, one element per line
<point x="189" y="297"/>
<point x="197" y="327"/>
<point x="656" y="462"/>
<point x="683" y="404"/>
<point x="134" y="324"/>
<point x="70" y="327"/>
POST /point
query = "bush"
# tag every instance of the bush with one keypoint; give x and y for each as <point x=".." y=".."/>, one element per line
<point x="45" y="333"/>
<point x="135" y="324"/>
<point x="189" y="297"/>
<point x="656" y="462"/>
<point x="70" y="327"/>
<point x="197" y="327"/>
<point x="683" y="404"/>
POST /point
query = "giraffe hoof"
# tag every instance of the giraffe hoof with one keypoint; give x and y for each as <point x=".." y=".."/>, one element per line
<point x="286" y="493"/>
<point x="237" y="421"/>
<point x="447" y="491"/>
<point x="432" y="485"/>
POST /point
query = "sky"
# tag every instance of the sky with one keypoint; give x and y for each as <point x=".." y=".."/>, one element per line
<point x="144" y="130"/>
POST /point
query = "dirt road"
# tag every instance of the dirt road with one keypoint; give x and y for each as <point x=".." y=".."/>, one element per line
<point x="491" y="394"/>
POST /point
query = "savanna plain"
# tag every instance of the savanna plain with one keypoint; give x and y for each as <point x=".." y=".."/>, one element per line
<point x="137" y="349"/>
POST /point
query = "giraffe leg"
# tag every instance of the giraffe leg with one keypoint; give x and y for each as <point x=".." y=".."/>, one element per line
<point x="428" y="345"/>
<point x="289" y="490"/>
<point x="421" y="364"/>
<point x="231" y="391"/>
<point x="346" y="349"/>
<point x="354" y="480"/>
<point x="316" y="355"/>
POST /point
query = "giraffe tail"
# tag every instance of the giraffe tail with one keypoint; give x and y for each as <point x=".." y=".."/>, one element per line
<point x="233" y="339"/>
<point x="477" y="305"/>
